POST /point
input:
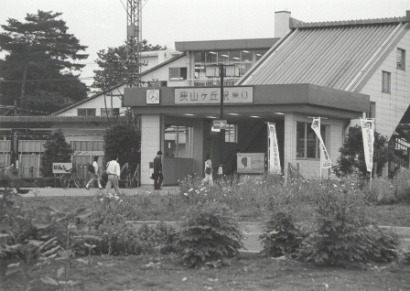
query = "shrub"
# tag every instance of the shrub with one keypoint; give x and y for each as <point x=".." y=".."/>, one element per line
<point x="281" y="236"/>
<point x="381" y="191"/>
<point x="122" y="238"/>
<point x="210" y="232"/>
<point x="342" y="233"/>
<point x="401" y="185"/>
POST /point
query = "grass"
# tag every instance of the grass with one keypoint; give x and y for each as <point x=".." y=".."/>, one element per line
<point x="246" y="273"/>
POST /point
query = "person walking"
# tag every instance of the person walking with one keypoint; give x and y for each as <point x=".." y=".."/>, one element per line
<point x="208" y="171"/>
<point x="158" y="176"/>
<point x="113" y="170"/>
<point x="234" y="171"/>
<point x="93" y="170"/>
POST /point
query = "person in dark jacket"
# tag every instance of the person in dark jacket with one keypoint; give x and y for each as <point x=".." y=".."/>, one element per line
<point x="158" y="176"/>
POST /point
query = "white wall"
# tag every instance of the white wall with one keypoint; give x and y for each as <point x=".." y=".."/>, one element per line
<point x="390" y="108"/>
<point x="99" y="102"/>
<point x="151" y="131"/>
<point x="310" y="168"/>
<point x="162" y="74"/>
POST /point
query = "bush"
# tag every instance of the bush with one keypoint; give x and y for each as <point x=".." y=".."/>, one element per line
<point x="401" y="185"/>
<point x="210" y="232"/>
<point x="342" y="233"/>
<point x="122" y="238"/>
<point x="381" y="191"/>
<point x="281" y="236"/>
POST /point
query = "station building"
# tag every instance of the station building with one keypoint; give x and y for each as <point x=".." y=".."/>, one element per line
<point x="340" y="71"/>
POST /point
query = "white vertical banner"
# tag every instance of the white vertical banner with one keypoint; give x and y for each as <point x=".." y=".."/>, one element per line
<point x="274" y="159"/>
<point x="368" y="141"/>
<point x="324" y="155"/>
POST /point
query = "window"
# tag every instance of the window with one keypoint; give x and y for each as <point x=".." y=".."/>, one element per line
<point x="307" y="144"/>
<point x="178" y="73"/>
<point x="231" y="133"/>
<point x="94" y="145"/>
<point x="386" y="82"/>
<point x="85" y="111"/>
<point x="110" y="111"/>
<point x="372" y="110"/>
<point x="401" y="59"/>
<point x="178" y="142"/>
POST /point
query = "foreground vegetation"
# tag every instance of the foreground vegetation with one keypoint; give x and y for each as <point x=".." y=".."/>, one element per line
<point x="59" y="243"/>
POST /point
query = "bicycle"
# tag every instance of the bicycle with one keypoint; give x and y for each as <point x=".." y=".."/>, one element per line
<point x="130" y="180"/>
<point x="70" y="176"/>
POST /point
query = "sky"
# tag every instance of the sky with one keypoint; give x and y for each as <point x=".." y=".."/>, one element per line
<point x="100" y="24"/>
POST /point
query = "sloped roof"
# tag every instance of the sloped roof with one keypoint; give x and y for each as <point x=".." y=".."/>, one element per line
<point x="117" y="86"/>
<point x="336" y="55"/>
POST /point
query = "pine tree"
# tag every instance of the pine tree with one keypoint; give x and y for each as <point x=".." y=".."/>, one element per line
<point x="40" y="70"/>
<point x="113" y="66"/>
<point x="57" y="150"/>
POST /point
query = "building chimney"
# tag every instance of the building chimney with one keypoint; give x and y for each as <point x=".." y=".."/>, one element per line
<point x="282" y="23"/>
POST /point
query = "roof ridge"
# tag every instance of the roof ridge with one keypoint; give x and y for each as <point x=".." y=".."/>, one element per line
<point x="387" y="20"/>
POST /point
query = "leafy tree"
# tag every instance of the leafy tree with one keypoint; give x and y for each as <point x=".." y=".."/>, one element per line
<point x="352" y="153"/>
<point x="57" y="150"/>
<point x="39" y="72"/>
<point x="123" y="139"/>
<point x="113" y="64"/>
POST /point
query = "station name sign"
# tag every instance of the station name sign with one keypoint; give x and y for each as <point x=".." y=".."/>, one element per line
<point x="212" y="95"/>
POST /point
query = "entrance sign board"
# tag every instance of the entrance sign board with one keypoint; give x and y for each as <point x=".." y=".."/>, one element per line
<point x="251" y="163"/>
<point x="62" y="168"/>
<point x="212" y="95"/>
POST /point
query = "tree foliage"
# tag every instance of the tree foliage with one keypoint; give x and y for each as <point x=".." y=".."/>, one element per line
<point x="57" y="150"/>
<point x="352" y="153"/>
<point x="113" y="65"/>
<point x="40" y="71"/>
<point x="123" y="140"/>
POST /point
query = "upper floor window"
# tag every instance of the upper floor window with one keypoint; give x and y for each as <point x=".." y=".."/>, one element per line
<point x="372" y="110"/>
<point x="307" y="144"/>
<point x="110" y="111"/>
<point x="93" y="145"/>
<point x="401" y="59"/>
<point x="178" y="73"/>
<point x="386" y="82"/>
<point x="85" y="111"/>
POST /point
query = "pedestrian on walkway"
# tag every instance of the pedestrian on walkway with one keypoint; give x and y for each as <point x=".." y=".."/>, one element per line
<point x="113" y="170"/>
<point x="158" y="176"/>
<point x="208" y="180"/>
<point x="94" y="173"/>
<point x="234" y="171"/>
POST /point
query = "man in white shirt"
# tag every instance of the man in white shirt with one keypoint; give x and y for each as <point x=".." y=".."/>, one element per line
<point x="113" y="171"/>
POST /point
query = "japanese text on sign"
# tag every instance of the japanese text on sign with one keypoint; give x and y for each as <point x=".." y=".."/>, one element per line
<point x="212" y="95"/>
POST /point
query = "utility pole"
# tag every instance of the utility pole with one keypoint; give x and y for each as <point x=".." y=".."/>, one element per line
<point x="134" y="39"/>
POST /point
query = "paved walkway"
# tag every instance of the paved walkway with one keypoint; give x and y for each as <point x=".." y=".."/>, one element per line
<point x="50" y="192"/>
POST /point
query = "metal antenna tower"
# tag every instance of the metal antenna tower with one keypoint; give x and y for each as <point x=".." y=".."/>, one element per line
<point x="134" y="39"/>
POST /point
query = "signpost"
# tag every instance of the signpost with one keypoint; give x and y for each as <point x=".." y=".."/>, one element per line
<point x="220" y="124"/>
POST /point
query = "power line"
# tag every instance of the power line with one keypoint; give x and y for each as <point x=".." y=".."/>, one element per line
<point x="46" y="80"/>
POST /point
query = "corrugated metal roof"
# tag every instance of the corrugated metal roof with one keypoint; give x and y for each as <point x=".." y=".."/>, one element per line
<point x="333" y="57"/>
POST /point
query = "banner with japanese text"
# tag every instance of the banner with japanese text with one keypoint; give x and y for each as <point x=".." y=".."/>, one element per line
<point x="324" y="155"/>
<point x="274" y="159"/>
<point x="368" y="142"/>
